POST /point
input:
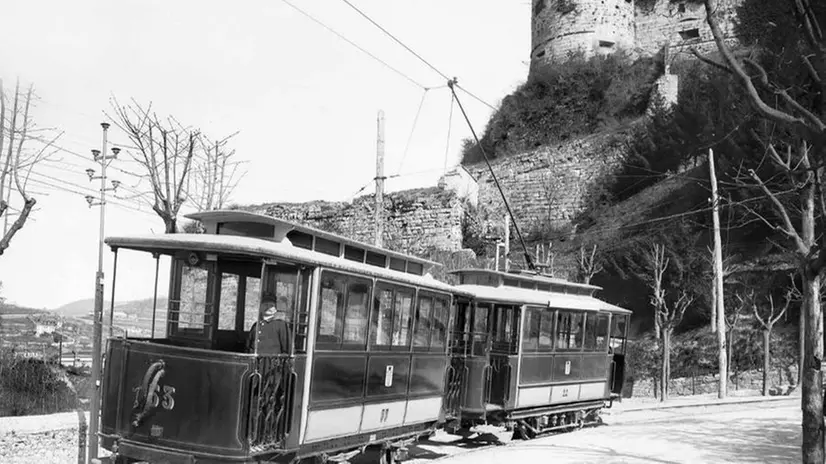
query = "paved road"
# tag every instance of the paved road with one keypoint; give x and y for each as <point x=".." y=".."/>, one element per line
<point x="747" y="433"/>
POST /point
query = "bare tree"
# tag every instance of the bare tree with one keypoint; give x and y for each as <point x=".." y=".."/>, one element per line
<point x="767" y="321"/>
<point x="214" y="177"/>
<point x="17" y="161"/>
<point x="590" y="264"/>
<point x="668" y="315"/>
<point x="803" y="163"/>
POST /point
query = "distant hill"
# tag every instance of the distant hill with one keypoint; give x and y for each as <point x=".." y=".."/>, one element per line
<point x="14" y="309"/>
<point x="80" y="308"/>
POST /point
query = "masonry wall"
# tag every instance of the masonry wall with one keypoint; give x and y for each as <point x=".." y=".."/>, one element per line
<point x="595" y="26"/>
<point x="550" y="186"/>
<point x="682" y="25"/>
<point x="415" y="220"/>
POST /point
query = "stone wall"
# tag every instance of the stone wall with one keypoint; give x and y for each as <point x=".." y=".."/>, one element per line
<point x="415" y="220"/>
<point x="559" y="27"/>
<point x="682" y="25"/>
<point x="549" y="187"/>
<point x="704" y="384"/>
<point x="596" y="26"/>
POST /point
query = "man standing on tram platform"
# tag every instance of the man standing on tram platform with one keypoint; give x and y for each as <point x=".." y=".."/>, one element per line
<point x="273" y="332"/>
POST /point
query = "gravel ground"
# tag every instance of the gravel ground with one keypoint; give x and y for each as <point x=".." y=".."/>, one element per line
<point x="54" y="438"/>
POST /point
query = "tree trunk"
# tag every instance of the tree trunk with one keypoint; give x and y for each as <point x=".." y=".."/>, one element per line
<point x="812" y="396"/>
<point x="169" y="225"/>
<point x="714" y="305"/>
<point x="801" y="348"/>
<point x="666" y="349"/>
<point x="766" y="360"/>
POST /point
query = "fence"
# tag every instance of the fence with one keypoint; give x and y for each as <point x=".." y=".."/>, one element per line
<point x="705" y="381"/>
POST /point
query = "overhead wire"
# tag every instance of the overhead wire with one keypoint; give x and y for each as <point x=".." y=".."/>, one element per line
<point x="412" y="130"/>
<point x="360" y="48"/>
<point x="413" y="52"/>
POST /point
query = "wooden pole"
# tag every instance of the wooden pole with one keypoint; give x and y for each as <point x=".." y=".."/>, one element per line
<point x="507" y="241"/>
<point x="718" y="277"/>
<point x="379" y="179"/>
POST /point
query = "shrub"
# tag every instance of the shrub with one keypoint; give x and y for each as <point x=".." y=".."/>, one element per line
<point x="30" y="386"/>
<point x="579" y="96"/>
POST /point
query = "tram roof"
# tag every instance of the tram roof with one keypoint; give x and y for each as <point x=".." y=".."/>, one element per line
<point x="532" y="277"/>
<point x="524" y="296"/>
<point x="234" y="245"/>
<point x="282" y="228"/>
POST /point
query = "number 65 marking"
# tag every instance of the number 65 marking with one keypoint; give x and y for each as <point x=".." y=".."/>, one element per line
<point x="154" y="397"/>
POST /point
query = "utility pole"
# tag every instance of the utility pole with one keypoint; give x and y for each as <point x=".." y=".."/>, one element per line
<point x="718" y="278"/>
<point x="507" y="241"/>
<point x="97" y="355"/>
<point x="379" y="179"/>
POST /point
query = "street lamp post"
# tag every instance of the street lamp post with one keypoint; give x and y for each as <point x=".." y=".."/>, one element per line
<point x="94" y="407"/>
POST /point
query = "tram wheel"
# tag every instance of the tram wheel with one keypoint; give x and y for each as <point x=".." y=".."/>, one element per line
<point x="388" y="456"/>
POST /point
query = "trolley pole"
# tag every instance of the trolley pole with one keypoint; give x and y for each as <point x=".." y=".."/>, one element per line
<point x="97" y="355"/>
<point x="379" y="178"/>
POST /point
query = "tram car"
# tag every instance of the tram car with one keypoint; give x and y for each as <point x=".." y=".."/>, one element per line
<point x="532" y="353"/>
<point x="372" y="351"/>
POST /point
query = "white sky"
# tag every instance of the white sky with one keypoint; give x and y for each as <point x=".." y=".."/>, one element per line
<point x="304" y="101"/>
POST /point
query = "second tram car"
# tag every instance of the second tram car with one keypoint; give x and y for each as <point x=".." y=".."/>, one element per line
<point x="534" y="353"/>
<point x="378" y="352"/>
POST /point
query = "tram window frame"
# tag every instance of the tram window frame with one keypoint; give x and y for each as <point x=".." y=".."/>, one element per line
<point x="341" y="284"/>
<point x="233" y="309"/>
<point x="590" y="333"/>
<point x="378" y="314"/>
<point x="537" y="338"/>
<point x="460" y="332"/>
<point x="503" y="328"/>
<point x="569" y="330"/>
<point x="479" y="328"/>
<point x="602" y="329"/>
<point x="187" y="335"/>
<point x="441" y="320"/>
<point x="623" y="333"/>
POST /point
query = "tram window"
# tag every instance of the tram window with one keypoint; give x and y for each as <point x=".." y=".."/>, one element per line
<point x="511" y="283"/>
<point x="569" y="331"/>
<point x="480" y="329"/>
<point x="403" y="318"/>
<point x="546" y="331"/>
<point x="376" y="259"/>
<point x="229" y="302"/>
<point x="354" y="254"/>
<point x="602" y="332"/>
<point x="440" y="317"/>
<point x="397" y="264"/>
<point x="415" y="268"/>
<point x="252" y="300"/>
<point x="355" y="318"/>
<point x="189" y="311"/>
<point x="343" y="311"/>
<point x="382" y="318"/>
<point x="530" y="335"/>
<point x="618" y="328"/>
<point x="330" y="318"/>
<point x="300" y="239"/>
<point x="590" y="332"/>
<point x="328" y="247"/>
<point x="422" y="323"/>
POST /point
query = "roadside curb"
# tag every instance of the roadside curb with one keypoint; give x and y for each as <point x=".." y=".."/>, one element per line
<point x="700" y="403"/>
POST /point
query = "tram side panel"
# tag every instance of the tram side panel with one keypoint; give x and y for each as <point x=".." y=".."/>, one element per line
<point x="161" y="395"/>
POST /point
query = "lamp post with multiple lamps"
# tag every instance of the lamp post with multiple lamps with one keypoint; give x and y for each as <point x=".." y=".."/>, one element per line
<point x="94" y="407"/>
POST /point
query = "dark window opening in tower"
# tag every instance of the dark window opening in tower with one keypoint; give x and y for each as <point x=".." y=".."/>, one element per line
<point x="690" y="34"/>
<point x="540" y="54"/>
<point x="606" y="44"/>
<point x="681" y="8"/>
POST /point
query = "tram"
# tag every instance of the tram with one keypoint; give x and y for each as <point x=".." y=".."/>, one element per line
<point x="378" y="352"/>
<point x="534" y="354"/>
<point x="366" y="364"/>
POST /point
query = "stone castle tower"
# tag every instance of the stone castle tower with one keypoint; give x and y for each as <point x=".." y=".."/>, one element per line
<point x="559" y="27"/>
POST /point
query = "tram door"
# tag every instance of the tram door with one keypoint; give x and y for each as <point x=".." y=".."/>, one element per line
<point x="503" y="353"/>
<point x="460" y="345"/>
<point x="619" y="333"/>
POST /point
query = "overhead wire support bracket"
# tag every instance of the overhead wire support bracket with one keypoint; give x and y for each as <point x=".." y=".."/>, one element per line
<point x="452" y="83"/>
